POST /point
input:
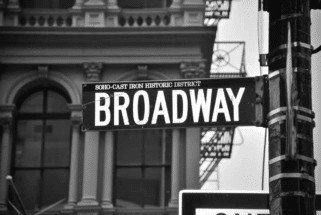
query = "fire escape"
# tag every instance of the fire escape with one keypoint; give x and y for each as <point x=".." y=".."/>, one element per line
<point x="228" y="62"/>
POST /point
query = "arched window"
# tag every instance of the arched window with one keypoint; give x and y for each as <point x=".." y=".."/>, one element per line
<point x="138" y="4"/>
<point x="48" y="4"/>
<point x="41" y="153"/>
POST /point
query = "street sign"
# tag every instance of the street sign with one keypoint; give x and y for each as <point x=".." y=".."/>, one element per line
<point x="214" y="202"/>
<point x="171" y="103"/>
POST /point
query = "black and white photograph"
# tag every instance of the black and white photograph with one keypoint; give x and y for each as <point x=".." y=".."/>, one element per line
<point x="160" y="107"/>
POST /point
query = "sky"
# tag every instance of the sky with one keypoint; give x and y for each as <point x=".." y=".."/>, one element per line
<point x="244" y="170"/>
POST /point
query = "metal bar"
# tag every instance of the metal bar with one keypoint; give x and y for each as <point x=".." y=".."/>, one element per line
<point x="9" y="179"/>
<point x="14" y="207"/>
<point x="49" y="207"/>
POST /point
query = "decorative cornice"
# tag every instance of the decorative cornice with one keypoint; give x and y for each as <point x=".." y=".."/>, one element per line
<point x="93" y="71"/>
<point x="76" y="113"/>
<point x="43" y="71"/>
<point x="142" y="71"/>
<point x="193" y="69"/>
<point x="6" y="115"/>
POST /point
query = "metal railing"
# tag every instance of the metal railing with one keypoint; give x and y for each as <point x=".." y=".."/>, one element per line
<point x="144" y="18"/>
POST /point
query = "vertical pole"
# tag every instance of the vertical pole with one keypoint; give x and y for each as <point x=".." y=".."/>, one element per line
<point x="291" y="163"/>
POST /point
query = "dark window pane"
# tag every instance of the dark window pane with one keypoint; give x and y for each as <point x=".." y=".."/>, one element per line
<point x="66" y="4"/>
<point x="55" y="186"/>
<point x="57" y="143"/>
<point x="28" y="147"/>
<point x="153" y="195"/>
<point x="55" y="4"/>
<point x="153" y="147"/>
<point x="33" y="104"/>
<point x="28" y="186"/>
<point x="129" y="147"/>
<point x="56" y="103"/>
<point x="168" y="141"/>
<point x="154" y="4"/>
<point x="132" y="4"/>
<point x="129" y="187"/>
<point x="136" y="4"/>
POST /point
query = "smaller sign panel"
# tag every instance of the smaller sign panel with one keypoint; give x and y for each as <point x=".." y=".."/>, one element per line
<point x="214" y="202"/>
<point x="208" y="211"/>
<point x="166" y="104"/>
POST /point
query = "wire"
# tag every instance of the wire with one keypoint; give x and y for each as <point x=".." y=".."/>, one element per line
<point x="316" y="50"/>
<point x="260" y="32"/>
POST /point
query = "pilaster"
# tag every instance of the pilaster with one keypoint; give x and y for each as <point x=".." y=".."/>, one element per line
<point x="77" y="13"/>
<point x="76" y="118"/>
<point x="193" y="139"/>
<point x="13" y="10"/>
<point x="2" y="7"/>
<point x="112" y="13"/>
<point x="193" y="12"/>
<point x="175" y="168"/>
<point x="175" y="13"/>
<point x="6" y="120"/>
<point x="107" y="187"/>
<point x="94" y="13"/>
<point x="88" y="204"/>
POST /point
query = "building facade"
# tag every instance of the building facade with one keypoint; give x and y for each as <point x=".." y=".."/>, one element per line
<point x="48" y="49"/>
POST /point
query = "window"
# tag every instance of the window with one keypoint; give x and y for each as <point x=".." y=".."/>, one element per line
<point x="142" y="173"/>
<point x="137" y="4"/>
<point x="41" y="154"/>
<point x="53" y="4"/>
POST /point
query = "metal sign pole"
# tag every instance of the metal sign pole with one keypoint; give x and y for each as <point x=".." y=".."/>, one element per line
<point x="291" y="164"/>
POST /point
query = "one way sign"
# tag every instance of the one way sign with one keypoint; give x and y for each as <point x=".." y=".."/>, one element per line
<point x="205" y="202"/>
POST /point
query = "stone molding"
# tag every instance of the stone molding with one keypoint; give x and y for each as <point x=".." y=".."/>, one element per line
<point x="27" y="78"/>
<point x="7" y="115"/>
<point x="142" y="71"/>
<point x="93" y="71"/>
<point x="76" y="113"/>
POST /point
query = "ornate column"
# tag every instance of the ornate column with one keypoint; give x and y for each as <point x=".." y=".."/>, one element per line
<point x="76" y="117"/>
<point x="107" y="193"/>
<point x="6" y="119"/>
<point x="175" y="168"/>
<point x="193" y="69"/>
<point x="89" y="203"/>
<point x="76" y="12"/>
